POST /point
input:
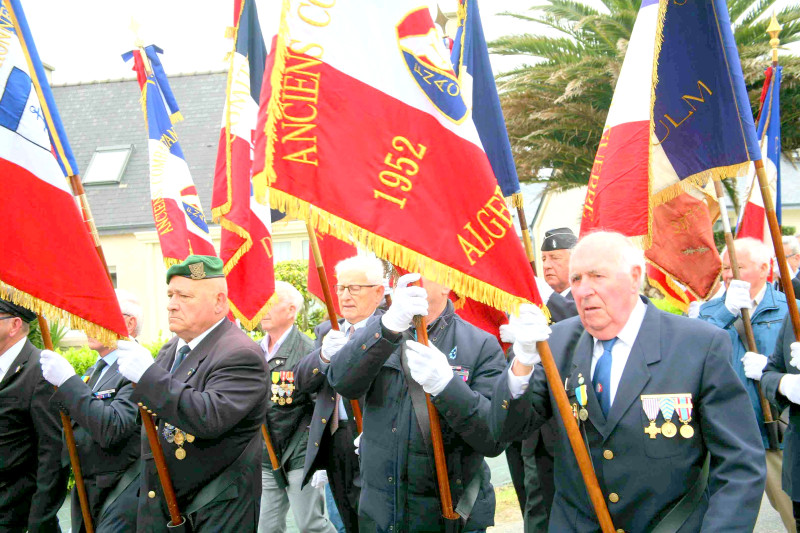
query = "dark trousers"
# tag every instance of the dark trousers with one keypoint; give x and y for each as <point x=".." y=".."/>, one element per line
<point x="796" y="512"/>
<point x="17" y="489"/>
<point x="343" y="471"/>
<point x="516" y="467"/>
<point x="539" y="486"/>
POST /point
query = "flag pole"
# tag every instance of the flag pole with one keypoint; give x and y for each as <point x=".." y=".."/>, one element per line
<point x="326" y="292"/>
<point x="769" y="421"/>
<point x="69" y="435"/>
<point x="526" y="235"/>
<point x="277" y="473"/>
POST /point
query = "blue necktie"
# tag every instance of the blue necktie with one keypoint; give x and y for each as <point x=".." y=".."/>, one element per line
<point x="179" y="357"/>
<point x="601" y="381"/>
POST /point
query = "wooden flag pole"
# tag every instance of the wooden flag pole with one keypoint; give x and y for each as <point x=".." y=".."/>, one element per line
<point x="326" y="292"/>
<point x="439" y="459"/>
<point x="526" y="236"/>
<point x="69" y="437"/>
<point x="748" y="325"/>
<point x="273" y="457"/>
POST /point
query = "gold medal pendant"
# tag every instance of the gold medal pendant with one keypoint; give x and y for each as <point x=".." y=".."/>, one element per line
<point x="583" y="414"/>
<point x="189" y="438"/>
<point x="180" y="453"/>
<point x="652" y="429"/>
<point x="179" y="437"/>
<point x="687" y="431"/>
<point x="281" y="401"/>
<point x="668" y="429"/>
<point x="289" y="400"/>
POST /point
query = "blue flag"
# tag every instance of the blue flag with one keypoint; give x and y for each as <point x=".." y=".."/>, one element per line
<point x="470" y="59"/>
<point x="769" y="131"/>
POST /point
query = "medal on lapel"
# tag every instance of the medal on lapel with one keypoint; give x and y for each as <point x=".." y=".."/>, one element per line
<point x="289" y="386"/>
<point x="684" y="408"/>
<point x="580" y="394"/>
<point x="667" y="405"/>
<point x="275" y="376"/>
<point x="650" y="406"/>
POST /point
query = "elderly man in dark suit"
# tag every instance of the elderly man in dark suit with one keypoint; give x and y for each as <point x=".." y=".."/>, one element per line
<point x="207" y="391"/>
<point x="288" y="419"/>
<point x="629" y="368"/>
<point x="332" y="431"/>
<point x="105" y="422"/>
<point x="33" y="484"/>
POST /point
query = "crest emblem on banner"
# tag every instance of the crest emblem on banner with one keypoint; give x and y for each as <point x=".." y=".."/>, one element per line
<point x="191" y="206"/>
<point x="429" y="64"/>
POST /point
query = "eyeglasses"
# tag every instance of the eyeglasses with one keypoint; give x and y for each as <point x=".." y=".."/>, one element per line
<point x="7" y="317"/>
<point x="352" y="289"/>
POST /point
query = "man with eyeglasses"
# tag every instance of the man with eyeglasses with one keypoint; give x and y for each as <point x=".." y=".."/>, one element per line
<point x="332" y="431"/>
<point x="33" y="484"/>
<point x="791" y="247"/>
<point x="106" y="427"/>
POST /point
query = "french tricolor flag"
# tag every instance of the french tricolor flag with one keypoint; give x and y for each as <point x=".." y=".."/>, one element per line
<point x="179" y="218"/>
<point x="753" y="221"/>
<point x="50" y="264"/>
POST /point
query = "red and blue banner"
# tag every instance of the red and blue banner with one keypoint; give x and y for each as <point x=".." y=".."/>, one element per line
<point x="179" y="218"/>
<point x="50" y="264"/>
<point x="679" y="117"/>
<point x="753" y="220"/>
<point x="246" y="244"/>
<point x="366" y="122"/>
<point x="470" y="58"/>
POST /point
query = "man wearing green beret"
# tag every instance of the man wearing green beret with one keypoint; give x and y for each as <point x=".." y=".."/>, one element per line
<point x="207" y="391"/>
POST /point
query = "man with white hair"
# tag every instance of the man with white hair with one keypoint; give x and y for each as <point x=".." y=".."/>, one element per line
<point x="628" y="369"/>
<point x="767" y="310"/>
<point x="288" y="417"/>
<point x="360" y="292"/>
<point x="105" y="426"/>
<point x="206" y="391"/>
<point x="791" y="248"/>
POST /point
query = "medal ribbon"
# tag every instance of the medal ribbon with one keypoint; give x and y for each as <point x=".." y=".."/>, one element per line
<point x="650" y="406"/>
<point x="667" y="405"/>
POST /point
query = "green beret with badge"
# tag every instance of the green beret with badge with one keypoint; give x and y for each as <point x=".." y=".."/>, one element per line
<point x="197" y="267"/>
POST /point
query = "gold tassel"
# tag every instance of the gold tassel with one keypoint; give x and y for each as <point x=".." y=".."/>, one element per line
<point x="176" y="117"/>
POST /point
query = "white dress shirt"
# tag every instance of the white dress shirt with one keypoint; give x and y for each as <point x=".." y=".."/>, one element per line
<point x="619" y="353"/>
<point x="110" y="358"/>
<point x="278" y="344"/>
<point x="324" y="366"/>
<point x="565" y="292"/>
<point x="8" y="357"/>
<point x="197" y="340"/>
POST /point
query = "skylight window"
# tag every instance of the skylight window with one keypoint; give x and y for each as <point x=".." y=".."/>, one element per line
<point x="107" y="164"/>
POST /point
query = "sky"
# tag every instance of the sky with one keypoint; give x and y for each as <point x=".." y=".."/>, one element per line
<point x="83" y="40"/>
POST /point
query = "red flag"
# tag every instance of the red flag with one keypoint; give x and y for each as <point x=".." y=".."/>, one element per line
<point x="246" y="245"/>
<point x="332" y="250"/>
<point x="480" y="315"/>
<point x="50" y="264"/>
<point x="385" y="150"/>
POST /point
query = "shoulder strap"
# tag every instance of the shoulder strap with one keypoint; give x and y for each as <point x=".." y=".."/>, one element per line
<point x="676" y="517"/>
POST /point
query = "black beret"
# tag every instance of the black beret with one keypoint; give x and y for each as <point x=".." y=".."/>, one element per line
<point x="16" y="310"/>
<point x="559" y="239"/>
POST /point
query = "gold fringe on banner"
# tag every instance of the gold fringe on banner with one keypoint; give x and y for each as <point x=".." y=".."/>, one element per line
<point x="230" y="31"/>
<point x="65" y="318"/>
<point x="251" y="323"/>
<point x="461" y="283"/>
<point x="516" y="200"/>
<point x="267" y="176"/>
<point x="176" y="117"/>
<point x="169" y="261"/>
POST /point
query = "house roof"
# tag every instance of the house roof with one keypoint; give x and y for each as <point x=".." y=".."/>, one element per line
<point x="109" y="113"/>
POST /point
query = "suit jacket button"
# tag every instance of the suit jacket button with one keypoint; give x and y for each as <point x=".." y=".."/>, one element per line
<point x="140" y="404"/>
<point x="620" y="531"/>
<point x="613" y="497"/>
<point x="315" y="371"/>
<point x="608" y="454"/>
<point x="363" y="346"/>
<point x="324" y="421"/>
<point x="377" y="335"/>
<point x="333" y="398"/>
<point x="151" y="494"/>
<point x="316" y="444"/>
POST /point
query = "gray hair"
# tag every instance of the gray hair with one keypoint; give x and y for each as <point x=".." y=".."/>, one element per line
<point x="627" y="254"/>
<point x="130" y="305"/>
<point x="371" y="267"/>
<point x="288" y="293"/>
<point x="759" y="253"/>
<point x="792" y="243"/>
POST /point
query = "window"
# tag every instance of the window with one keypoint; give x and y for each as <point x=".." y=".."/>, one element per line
<point x="281" y="251"/>
<point x="107" y="164"/>
<point x="304" y="248"/>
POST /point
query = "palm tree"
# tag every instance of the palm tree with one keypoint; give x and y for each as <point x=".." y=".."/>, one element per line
<point x="555" y="108"/>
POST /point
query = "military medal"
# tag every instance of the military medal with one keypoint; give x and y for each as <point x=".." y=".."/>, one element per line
<point x="180" y="453"/>
<point x="169" y="432"/>
<point x="667" y="405"/>
<point x="189" y="438"/>
<point x="580" y="394"/>
<point x="575" y="410"/>
<point x="275" y="376"/>
<point x="684" y="408"/>
<point x="289" y="386"/>
<point x="650" y="406"/>
<point x="179" y="437"/>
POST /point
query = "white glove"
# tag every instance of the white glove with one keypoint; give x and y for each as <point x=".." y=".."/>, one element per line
<point x="319" y="479"/>
<point x="789" y="386"/>
<point x="694" y="309"/>
<point x="428" y="367"/>
<point x="55" y="368"/>
<point x="528" y="328"/>
<point x="795" y="348"/>
<point x="507" y="334"/>
<point x="133" y="360"/>
<point x="406" y="303"/>
<point x="332" y="343"/>
<point x="737" y="297"/>
<point x="357" y="444"/>
<point x="754" y="364"/>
